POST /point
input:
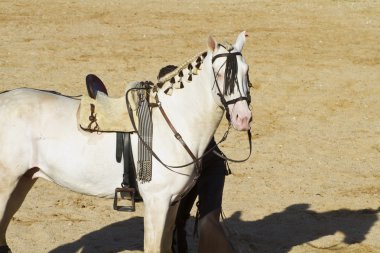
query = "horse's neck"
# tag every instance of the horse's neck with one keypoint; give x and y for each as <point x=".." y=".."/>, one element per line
<point x="193" y="113"/>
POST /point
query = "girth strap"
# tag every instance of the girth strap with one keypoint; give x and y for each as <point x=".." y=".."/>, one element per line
<point x="119" y="146"/>
<point x="124" y="150"/>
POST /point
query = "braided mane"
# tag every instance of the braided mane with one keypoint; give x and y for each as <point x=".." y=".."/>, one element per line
<point x="176" y="74"/>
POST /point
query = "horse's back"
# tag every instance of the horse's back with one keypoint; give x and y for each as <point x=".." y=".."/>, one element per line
<point x="25" y="116"/>
<point x="27" y="103"/>
<point x="24" y="111"/>
<point x="40" y="129"/>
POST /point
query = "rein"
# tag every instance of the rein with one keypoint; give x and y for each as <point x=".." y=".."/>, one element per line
<point x="230" y="81"/>
<point x="221" y="155"/>
<point x="195" y="161"/>
<point x="177" y="135"/>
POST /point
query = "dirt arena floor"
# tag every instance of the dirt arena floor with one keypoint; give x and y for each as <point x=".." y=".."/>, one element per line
<point x="313" y="181"/>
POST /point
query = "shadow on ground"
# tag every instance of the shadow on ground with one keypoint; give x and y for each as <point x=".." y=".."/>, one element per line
<point x="296" y="225"/>
<point x="275" y="233"/>
<point x="117" y="237"/>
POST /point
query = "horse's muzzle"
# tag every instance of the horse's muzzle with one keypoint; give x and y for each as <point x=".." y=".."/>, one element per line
<point x="241" y="115"/>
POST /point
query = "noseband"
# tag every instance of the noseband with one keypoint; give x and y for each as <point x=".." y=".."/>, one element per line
<point x="230" y="79"/>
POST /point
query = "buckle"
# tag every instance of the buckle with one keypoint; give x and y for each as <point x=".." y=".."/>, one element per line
<point x="125" y="192"/>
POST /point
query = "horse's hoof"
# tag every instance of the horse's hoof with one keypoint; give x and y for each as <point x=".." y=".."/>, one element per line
<point x="5" y="249"/>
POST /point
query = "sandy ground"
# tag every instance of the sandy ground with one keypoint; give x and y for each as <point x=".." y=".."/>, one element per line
<point x="313" y="181"/>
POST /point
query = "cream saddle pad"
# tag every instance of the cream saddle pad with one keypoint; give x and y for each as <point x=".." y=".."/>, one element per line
<point x="107" y="114"/>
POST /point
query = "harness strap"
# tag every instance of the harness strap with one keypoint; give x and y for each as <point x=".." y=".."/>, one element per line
<point x="119" y="146"/>
<point x="176" y="134"/>
<point x="195" y="161"/>
<point x="169" y="167"/>
<point x="180" y="139"/>
<point x="123" y="150"/>
<point x="233" y="101"/>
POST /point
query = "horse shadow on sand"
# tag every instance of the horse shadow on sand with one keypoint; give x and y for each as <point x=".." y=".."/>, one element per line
<point x="275" y="233"/>
<point x="117" y="237"/>
<point x="297" y="225"/>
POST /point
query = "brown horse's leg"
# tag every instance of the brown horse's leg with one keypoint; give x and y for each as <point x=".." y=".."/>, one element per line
<point x="11" y="197"/>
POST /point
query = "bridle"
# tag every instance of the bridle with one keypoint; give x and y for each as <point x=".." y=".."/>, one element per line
<point x="230" y="76"/>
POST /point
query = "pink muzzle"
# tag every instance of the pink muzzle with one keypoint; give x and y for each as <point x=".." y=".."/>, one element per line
<point x="241" y="115"/>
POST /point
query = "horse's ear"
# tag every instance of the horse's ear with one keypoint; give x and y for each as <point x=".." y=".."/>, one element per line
<point x="240" y="41"/>
<point x="212" y="44"/>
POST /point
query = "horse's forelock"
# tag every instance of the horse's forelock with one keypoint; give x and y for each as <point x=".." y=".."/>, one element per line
<point x="230" y="74"/>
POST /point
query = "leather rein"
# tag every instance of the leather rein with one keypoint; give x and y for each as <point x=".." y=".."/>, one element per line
<point x="178" y="136"/>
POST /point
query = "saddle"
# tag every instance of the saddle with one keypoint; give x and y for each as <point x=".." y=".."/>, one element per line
<point x="101" y="113"/>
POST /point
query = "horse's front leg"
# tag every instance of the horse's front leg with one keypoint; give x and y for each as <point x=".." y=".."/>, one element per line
<point x="159" y="223"/>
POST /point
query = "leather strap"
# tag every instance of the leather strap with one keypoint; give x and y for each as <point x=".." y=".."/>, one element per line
<point x="233" y="160"/>
<point x="169" y="167"/>
<point x="176" y="134"/>
<point x="195" y="161"/>
<point x="119" y="146"/>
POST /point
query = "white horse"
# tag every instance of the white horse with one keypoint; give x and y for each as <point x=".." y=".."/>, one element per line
<point x="40" y="138"/>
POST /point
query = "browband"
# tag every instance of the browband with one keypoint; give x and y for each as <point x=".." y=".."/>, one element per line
<point x="224" y="55"/>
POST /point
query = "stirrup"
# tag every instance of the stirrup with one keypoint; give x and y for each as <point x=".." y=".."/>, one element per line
<point x="123" y="195"/>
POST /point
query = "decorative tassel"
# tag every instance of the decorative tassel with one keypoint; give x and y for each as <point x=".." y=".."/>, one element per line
<point x="180" y="74"/>
<point x="169" y="91"/>
<point x="190" y="68"/>
<point x="176" y="85"/>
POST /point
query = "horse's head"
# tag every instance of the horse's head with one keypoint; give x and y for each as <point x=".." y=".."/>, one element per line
<point x="231" y="81"/>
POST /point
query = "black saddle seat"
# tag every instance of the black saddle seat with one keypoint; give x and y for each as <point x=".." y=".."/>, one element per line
<point x="94" y="84"/>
